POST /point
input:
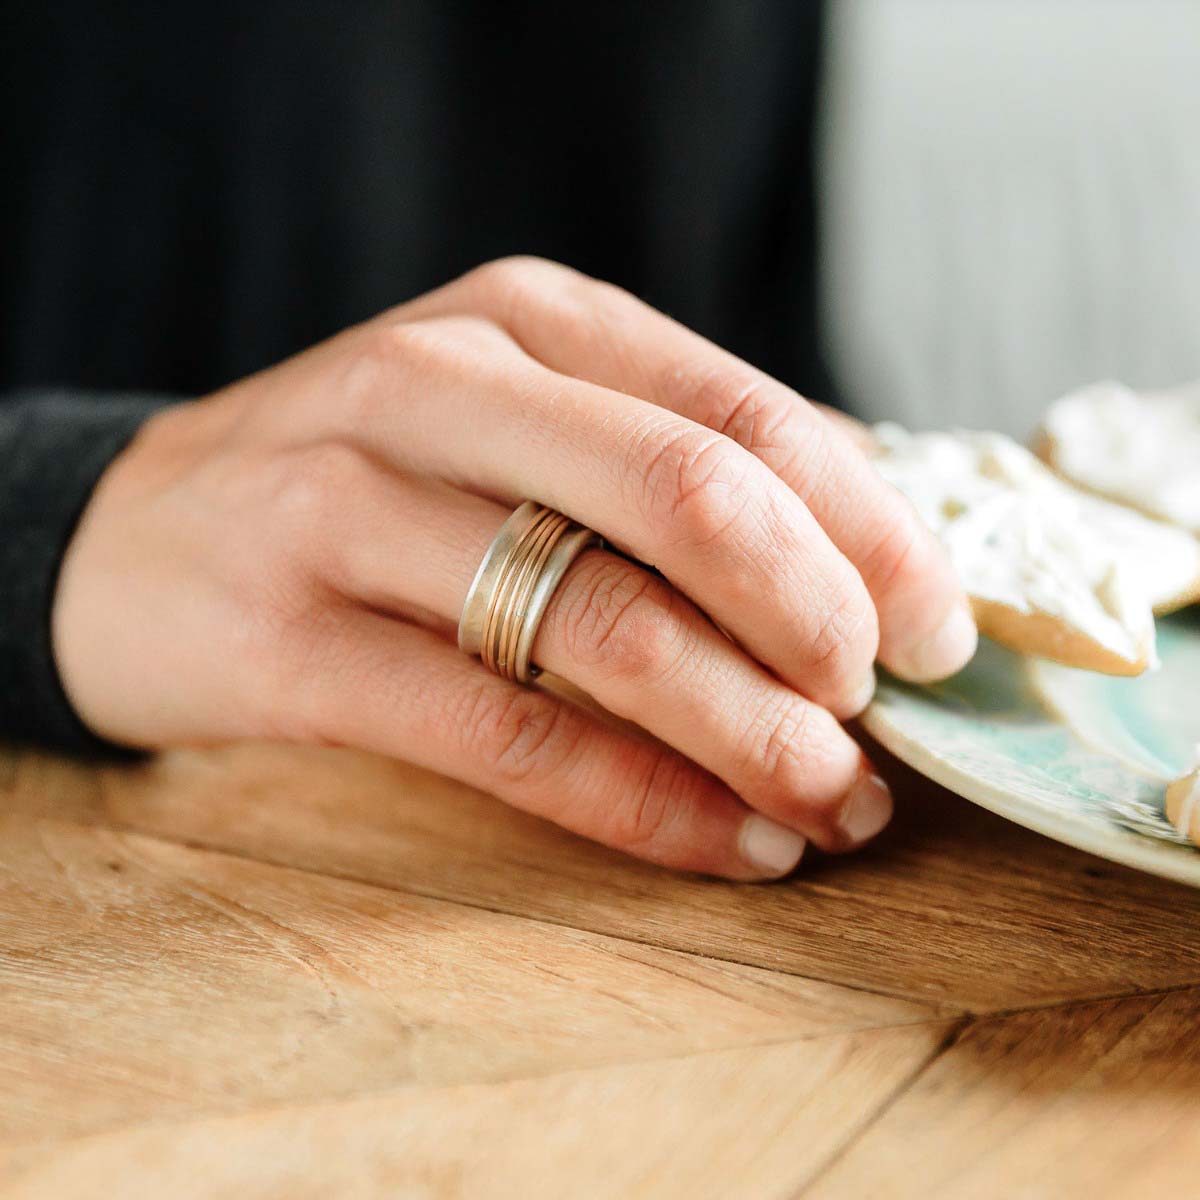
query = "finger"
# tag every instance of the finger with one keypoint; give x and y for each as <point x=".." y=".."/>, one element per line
<point x="593" y="331"/>
<point x="630" y="641"/>
<point x="644" y="652"/>
<point x="398" y="690"/>
<point x="851" y="428"/>
<point x="712" y="517"/>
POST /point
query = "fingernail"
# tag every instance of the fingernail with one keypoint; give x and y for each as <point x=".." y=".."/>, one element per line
<point x="770" y="847"/>
<point x="868" y="808"/>
<point x="863" y="696"/>
<point x="944" y="652"/>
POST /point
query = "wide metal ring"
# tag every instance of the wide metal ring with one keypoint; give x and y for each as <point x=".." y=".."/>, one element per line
<point x="513" y="587"/>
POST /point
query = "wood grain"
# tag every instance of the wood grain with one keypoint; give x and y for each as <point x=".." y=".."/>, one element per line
<point x="1091" y="1102"/>
<point x="266" y="972"/>
<point x="755" y="1122"/>
<point x="953" y="907"/>
<point x="141" y="980"/>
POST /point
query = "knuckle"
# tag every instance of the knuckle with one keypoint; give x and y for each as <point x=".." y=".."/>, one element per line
<point x="897" y="553"/>
<point x="525" y="285"/>
<point x="619" y="620"/>
<point x="749" y="408"/>
<point x="846" y="635"/>
<point x="770" y="420"/>
<point x="512" y="266"/>
<point x="410" y="347"/>
<point x="652" y="808"/>
<point x="512" y="280"/>
<point x="315" y="481"/>
<point x="777" y="745"/>
<point x="612" y="311"/>
<point x="518" y="734"/>
<point x="388" y="353"/>
<point x="789" y="746"/>
<point x="384" y="344"/>
<point x="393" y="353"/>
<point x="694" y="484"/>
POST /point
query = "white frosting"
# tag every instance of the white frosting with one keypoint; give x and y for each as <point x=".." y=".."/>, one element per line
<point x="1163" y="558"/>
<point x="1140" y="448"/>
<point x="1017" y="535"/>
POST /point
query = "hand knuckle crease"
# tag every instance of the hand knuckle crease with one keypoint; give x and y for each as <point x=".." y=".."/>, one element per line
<point x="618" y="622"/>
<point x="651" y="807"/>
<point x="756" y="417"/>
<point x="838" y="631"/>
<point x="695" y="484"/>
<point x="522" y="735"/>
<point x="783" y="751"/>
<point x="896" y="551"/>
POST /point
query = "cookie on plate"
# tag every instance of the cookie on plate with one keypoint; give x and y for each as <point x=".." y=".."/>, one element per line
<point x="1165" y="558"/>
<point x="1139" y="448"/>
<point x="1049" y="570"/>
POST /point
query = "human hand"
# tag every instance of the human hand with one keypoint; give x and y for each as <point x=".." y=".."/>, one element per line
<point x="288" y="558"/>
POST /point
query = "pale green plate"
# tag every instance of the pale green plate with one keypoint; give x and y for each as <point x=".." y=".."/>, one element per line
<point x="1080" y="757"/>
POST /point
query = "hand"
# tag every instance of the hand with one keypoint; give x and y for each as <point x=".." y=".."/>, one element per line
<point x="288" y="558"/>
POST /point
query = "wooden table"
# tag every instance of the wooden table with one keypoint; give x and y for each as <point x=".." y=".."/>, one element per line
<point x="268" y="972"/>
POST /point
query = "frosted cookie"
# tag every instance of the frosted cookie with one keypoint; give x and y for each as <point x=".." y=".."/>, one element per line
<point x="1164" y="558"/>
<point x="1043" y="576"/>
<point x="1183" y="804"/>
<point x="1141" y="448"/>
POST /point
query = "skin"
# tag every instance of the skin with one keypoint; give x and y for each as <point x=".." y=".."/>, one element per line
<point x="288" y="557"/>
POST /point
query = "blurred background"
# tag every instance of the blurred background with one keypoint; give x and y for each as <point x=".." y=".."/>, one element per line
<point x="1010" y="202"/>
<point x="941" y="211"/>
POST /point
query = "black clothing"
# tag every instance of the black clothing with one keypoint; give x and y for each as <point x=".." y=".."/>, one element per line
<point x="53" y="448"/>
<point x="193" y="192"/>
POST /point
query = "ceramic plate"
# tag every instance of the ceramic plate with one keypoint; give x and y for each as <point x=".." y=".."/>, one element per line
<point x="1080" y="757"/>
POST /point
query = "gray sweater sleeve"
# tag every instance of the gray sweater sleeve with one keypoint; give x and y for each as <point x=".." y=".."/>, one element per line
<point x="53" y="448"/>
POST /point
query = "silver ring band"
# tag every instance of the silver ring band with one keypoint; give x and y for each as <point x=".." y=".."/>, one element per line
<point x="513" y="585"/>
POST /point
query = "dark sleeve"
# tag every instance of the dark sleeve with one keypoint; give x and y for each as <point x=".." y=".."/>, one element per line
<point x="53" y="448"/>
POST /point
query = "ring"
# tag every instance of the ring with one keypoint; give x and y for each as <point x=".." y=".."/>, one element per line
<point x="512" y="587"/>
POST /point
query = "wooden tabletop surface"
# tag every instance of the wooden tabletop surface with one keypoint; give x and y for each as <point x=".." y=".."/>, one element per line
<point x="269" y="972"/>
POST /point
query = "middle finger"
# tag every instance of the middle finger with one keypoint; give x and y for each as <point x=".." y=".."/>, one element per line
<point x="593" y="331"/>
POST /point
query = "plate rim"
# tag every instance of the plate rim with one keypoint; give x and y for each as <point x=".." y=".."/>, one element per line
<point x="1181" y="864"/>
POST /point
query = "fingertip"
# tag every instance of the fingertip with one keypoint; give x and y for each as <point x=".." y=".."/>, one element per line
<point x="843" y="811"/>
<point x="861" y="698"/>
<point x="868" y="808"/>
<point x="769" y="849"/>
<point x="940" y="654"/>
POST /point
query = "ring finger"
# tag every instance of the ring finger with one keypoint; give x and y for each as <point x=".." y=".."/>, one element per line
<point x="632" y="642"/>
